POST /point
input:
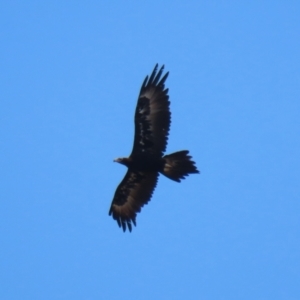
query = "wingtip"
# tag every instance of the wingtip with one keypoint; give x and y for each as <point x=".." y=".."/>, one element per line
<point x="161" y="68"/>
<point x="126" y="224"/>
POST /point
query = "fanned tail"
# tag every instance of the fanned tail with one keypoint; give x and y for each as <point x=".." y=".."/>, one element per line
<point x="178" y="165"/>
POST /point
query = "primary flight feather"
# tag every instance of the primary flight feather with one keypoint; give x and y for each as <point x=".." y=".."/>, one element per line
<point x="152" y="123"/>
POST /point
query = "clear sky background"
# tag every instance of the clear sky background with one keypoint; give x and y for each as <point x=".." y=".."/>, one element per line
<point x="70" y="76"/>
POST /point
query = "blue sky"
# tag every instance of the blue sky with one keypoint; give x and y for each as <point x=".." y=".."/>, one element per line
<point x="70" y="76"/>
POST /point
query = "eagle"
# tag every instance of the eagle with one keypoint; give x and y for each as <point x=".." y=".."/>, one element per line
<point x="147" y="160"/>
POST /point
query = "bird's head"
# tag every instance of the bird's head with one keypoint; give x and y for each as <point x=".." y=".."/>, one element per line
<point x="122" y="160"/>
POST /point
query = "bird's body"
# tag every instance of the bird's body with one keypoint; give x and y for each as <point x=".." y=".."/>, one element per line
<point x="142" y="163"/>
<point x="147" y="160"/>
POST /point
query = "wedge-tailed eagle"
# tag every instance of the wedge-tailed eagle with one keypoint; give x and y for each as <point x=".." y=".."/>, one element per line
<point x="152" y="123"/>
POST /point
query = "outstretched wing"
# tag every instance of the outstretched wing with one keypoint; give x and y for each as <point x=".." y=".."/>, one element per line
<point x="134" y="191"/>
<point x="152" y="116"/>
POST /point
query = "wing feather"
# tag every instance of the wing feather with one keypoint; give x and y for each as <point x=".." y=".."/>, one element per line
<point x="152" y="116"/>
<point x="132" y="194"/>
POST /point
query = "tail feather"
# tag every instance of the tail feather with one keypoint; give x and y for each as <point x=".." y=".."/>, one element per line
<point x="178" y="165"/>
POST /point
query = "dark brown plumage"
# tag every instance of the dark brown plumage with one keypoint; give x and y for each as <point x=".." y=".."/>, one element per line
<point x="152" y="123"/>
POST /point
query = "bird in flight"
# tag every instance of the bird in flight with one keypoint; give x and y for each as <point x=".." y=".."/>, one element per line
<point x="152" y="123"/>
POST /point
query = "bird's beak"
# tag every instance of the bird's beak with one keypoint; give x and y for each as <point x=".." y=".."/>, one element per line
<point x="116" y="160"/>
